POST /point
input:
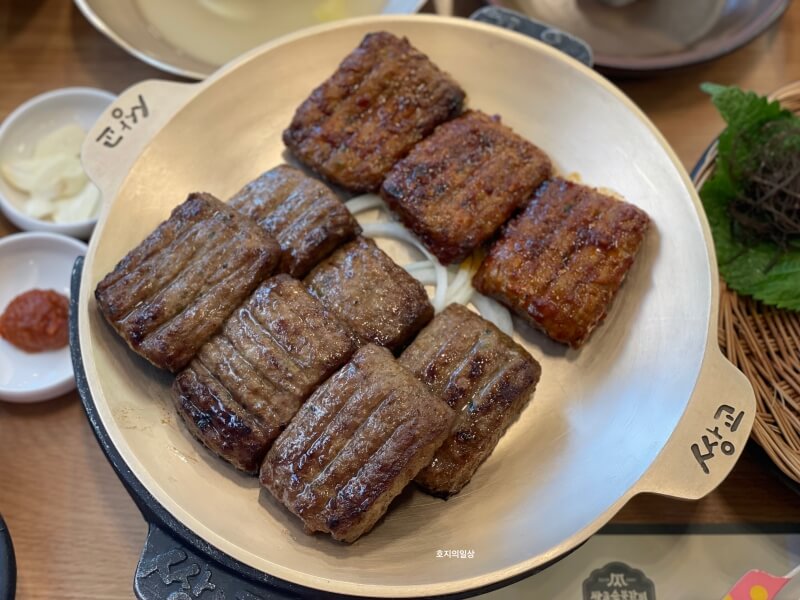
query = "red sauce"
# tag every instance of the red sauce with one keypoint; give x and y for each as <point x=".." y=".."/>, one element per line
<point x="36" y="321"/>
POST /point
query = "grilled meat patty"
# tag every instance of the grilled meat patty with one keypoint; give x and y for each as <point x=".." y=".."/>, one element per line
<point x="384" y="98"/>
<point x="219" y="422"/>
<point x="306" y="218"/>
<point x="173" y="291"/>
<point x="355" y="444"/>
<point x="377" y="298"/>
<point x="484" y="376"/>
<point x="560" y="263"/>
<point x="458" y="186"/>
<point x="249" y="380"/>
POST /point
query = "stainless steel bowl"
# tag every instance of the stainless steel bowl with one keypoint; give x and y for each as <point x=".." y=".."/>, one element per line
<point x="618" y="418"/>
<point x="655" y="35"/>
<point x="125" y="24"/>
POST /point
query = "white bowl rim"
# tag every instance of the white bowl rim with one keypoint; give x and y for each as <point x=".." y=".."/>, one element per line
<point x="66" y="383"/>
<point x="16" y="115"/>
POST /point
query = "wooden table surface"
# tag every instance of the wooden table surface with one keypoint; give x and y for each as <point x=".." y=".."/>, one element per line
<point x="77" y="533"/>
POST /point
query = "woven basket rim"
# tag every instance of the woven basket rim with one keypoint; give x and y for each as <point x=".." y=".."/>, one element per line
<point x="764" y="342"/>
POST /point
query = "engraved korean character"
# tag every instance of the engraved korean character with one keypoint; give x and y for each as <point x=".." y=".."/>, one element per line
<point x="117" y="113"/>
<point x="462" y="554"/>
<point x="700" y="457"/>
<point x="727" y="448"/>
<point x="470" y="553"/>
<point x="141" y="107"/>
<point x="107" y="137"/>
<point x="614" y="595"/>
<point x="439" y="554"/>
<point x="730" y="422"/>
<point x="447" y="553"/>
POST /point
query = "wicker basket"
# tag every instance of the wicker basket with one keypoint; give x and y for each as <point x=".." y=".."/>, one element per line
<point x="764" y="343"/>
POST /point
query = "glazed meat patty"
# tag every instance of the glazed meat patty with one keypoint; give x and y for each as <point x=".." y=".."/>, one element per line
<point x="355" y="444"/>
<point x="306" y="218"/>
<point x="484" y="376"/>
<point x="249" y="380"/>
<point x="384" y="98"/>
<point x="458" y="186"/>
<point x="173" y="291"/>
<point x="560" y="263"/>
<point x="377" y="298"/>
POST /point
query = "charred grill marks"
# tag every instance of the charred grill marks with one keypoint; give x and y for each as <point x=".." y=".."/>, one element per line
<point x="265" y="362"/>
<point x="173" y="291"/>
<point x="560" y="263"/>
<point x="307" y="219"/>
<point x="458" y="186"/>
<point x="484" y="376"/>
<point x="384" y="98"/>
<point x="355" y="444"/>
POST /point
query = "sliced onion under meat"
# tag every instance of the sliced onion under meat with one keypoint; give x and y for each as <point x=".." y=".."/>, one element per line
<point x="493" y="311"/>
<point x="462" y="296"/>
<point x="364" y="203"/>
<point x="461" y="279"/>
<point x="461" y="290"/>
<point x="419" y="265"/>
<point x="425" y="277"/>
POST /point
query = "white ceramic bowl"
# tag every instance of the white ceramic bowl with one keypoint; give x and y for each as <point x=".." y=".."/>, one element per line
<point x="27" y="124"/>
<point x="35" y="261"/>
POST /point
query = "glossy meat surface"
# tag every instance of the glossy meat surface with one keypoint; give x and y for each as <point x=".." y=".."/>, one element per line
<point x="355" y="444"/>
<point x="173" y="291"/>
<point x="458" y="186"/>
<point x="306" y="218"/>
<point x="485" y="377"/>
<point x="377" y="298"/>
<point x="213" y="417"/>
<point x="384" y="98"/>
<point x="249" y="380"/>
<point x="560" y="263"/>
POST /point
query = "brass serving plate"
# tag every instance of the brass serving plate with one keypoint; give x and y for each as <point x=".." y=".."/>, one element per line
<point x="615" y="419"/>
